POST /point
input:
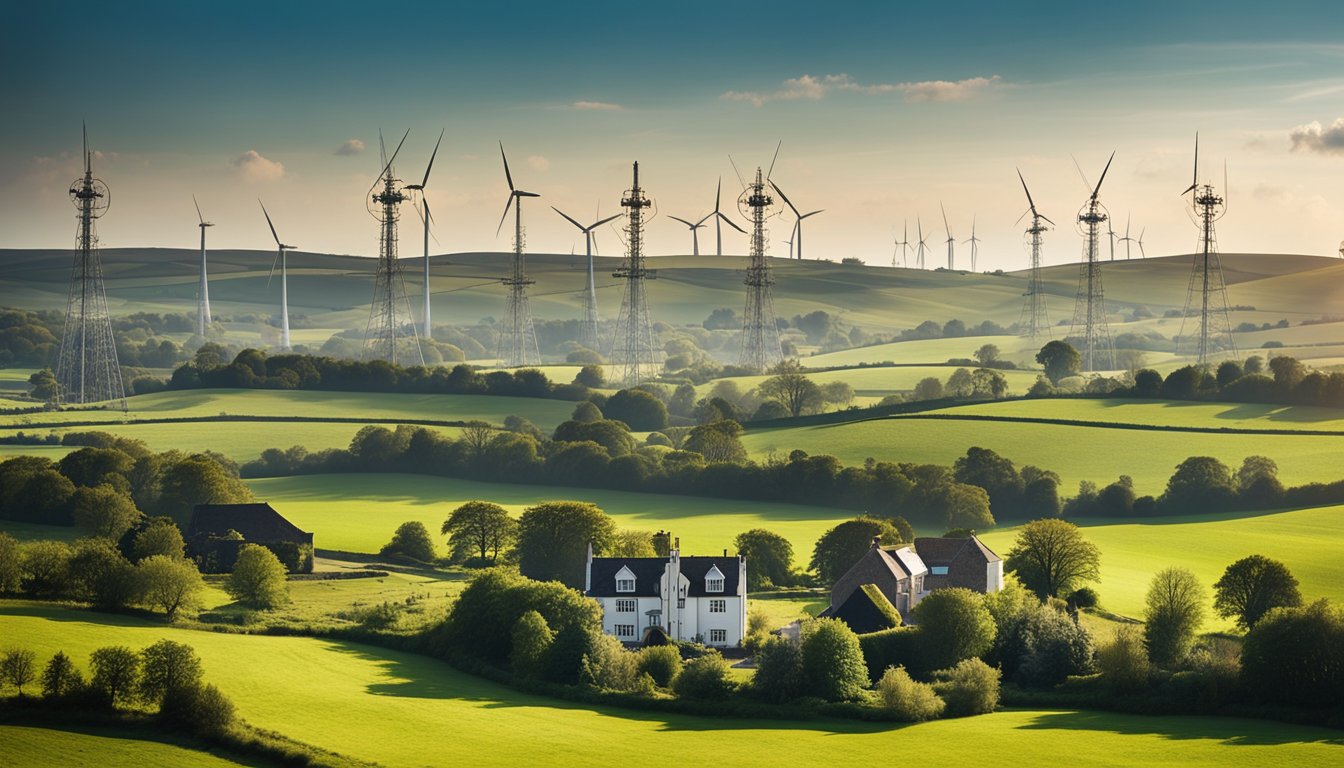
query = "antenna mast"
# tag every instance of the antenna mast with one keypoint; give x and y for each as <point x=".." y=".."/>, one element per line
<point x="390" y="326"/>
<point x="760" y="335"/>
<point x="1206" y="295"/>
<point x="87" y="370"/>
<point x="1034" y="322"/>
<point x="632" y="348"/>
<point x="1089" y="311"/>
<point x="518" y="340"/>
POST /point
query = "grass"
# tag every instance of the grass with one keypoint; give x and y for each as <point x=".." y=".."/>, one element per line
<point x="379" y="705"/>
<point x="881" y="381"/>
<point x="22" y="746"/>
<point x="1168" y="413"/>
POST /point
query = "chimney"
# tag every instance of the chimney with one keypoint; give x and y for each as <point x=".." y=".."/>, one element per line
<point x="877" y="542"/>
<point x="725" y="551"/>
<point x="588" y="570"/>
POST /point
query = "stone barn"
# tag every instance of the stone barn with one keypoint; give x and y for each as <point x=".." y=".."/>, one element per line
<point x="218" y="531"/>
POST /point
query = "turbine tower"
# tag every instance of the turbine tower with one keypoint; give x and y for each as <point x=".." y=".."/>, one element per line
<point x="923" y="247"/>
<point x="390" y="325"/>
<point x="760" y="334"/>
<point x="87" y="370"/>
<point x="1034" y="322"/>
<point x="1206" y="296"/>
<point x="797" y="234"/>
<point x="632" y="348"/>
<point x="951" y="241"/>
<point x="695" y="235"/>
<point x="975" y="243"/>
<point x="518" y="340"/>
<point x="720" y="219"/>
<point x="203" y="319"/>
<point x="588" y="328"/>
<point x="1089" y="312"/>
<point x="427" y="218"/>
<point x="280" y="249"/>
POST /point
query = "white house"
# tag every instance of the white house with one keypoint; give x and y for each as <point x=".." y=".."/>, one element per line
<point x="701" y="599"/>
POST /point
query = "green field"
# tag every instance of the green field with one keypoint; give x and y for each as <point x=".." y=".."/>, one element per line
<point x="400" y="709"/>
<point x="23" y="746"/>
<point x="880" y="381"/>
<point x="1167" y="413"/>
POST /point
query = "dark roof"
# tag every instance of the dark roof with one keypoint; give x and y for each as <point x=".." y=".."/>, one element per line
<point x="648" y="572"/>
<point x="256" y="522"/>
<point x="695" y="568"/>
<point x="942" y="551"/>
<point x="867" y="610"/>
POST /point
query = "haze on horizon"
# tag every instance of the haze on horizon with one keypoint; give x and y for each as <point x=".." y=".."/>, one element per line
<point x="883" y="113"/>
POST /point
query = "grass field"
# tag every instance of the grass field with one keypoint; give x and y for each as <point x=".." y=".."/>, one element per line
<point x="880" y="381"/>
<point x="399" y="709"/>
<point x="1167" y="413"/>
<point x="23" y="746"/>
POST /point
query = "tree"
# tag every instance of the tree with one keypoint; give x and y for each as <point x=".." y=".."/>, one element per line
<point x="104" y="511"/>
<point x="43" y="386"/>
<point x="628" y="542"/>
<point x="101" y="574"/>
<point x="706" y="677"/>
<point x="1253" y="586"/>
<point x="833" y="666"/>
<point x="779" y="670"/>
<point x="1147" y="383"/>
<point x="11" y="563"/>
<point x="585" y="412"/>
<point x="719" y="442"/>
<point x="841" y="547"/>
<point x="1123" y="662"/>
<point x="837" y="393"/>
<point x="199" y="479"/>
<point x="160" y="536"/>
<point x="18" y="667"/>
<point x="1200" y="483"/>
<point x="258" y="578"/>
<point x="167" y="666"/>
<point x="969" y="688"/>
<point x="532" y="638"/>
<point x="994" y="473"/>
<point x="60" y="678"/>
<point x="91" y="466"/>
<point x="1174" y="612"/>
<point x="954" y="624"/>
<point x="1296" y="655"/>
<point x="769" y="557"/>
<point x="116" y="669"/>
<point x="1051" y="558"/>
<point x="486" y="527"/>
<point x="46" y="567"/>
<point x="553" y="538"/>
<point x="789" y="386"/>
<point x="641" y="411"/>
<point x="928" y="388"/>
<point x="1060" y="359"/>
<point x="986" y="354"/>
<point x="1255" y="468"/>
<point x="169" y="583"/>
<point x="591" y="376"/>
<point x="411" y="539"/>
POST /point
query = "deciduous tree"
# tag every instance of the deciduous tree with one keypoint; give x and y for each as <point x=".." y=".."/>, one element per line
<point x="258" y="578"/>
<point x="170" y="584"/>
<point x="486" y="527"/>
<point x="1174" y="612"/>
<point x="1051" y="558"/>
<point x="553" y="539"/>
<point x="1252" y="587"/>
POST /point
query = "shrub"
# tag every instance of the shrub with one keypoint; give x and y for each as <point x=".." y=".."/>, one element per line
<point x="411" y="539"/>
<point x="60" y="678"/>
<point x="905" y="699"/>
<point x="566" y="656"/>
<point x="954" y="625"/>
<point x="1084" y="597"/>
<point x="1296" y="655"/>
<point x="706" y="677"/>
<point x="969" y="688"/>
<point x="1123" y="662"/>
<point x="833" y="666"/>
<point x="609" y="666"/>
<point x="662" y="663"/>
<point x="482" y="620"/>
<point x="116" y="671"/>
<point x="258" y="578"/>
<point x="779" y="670"/>
<point x="1040" y="647"/>
<point x="203" y="708"/>
<point x="532" y="638"/>
<point x="892" y="648"/>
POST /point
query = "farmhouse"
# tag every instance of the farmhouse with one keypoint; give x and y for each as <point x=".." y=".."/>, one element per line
<point x="691" y="598"/>
<point x="899" y="577"/>
<point x="218" y="531"/>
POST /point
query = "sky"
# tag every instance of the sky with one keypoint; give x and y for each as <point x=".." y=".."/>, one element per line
<point x="883" y="111"/>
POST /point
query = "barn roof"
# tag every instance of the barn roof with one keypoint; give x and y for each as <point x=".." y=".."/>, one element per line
<point x="256" y="522"/>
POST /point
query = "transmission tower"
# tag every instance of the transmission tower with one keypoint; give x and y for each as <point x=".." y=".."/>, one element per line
<point x="390" y="327"/>
<point x="518" y="340"/>
<point x="87" y="370"/>
<point x="1034" y="322"/>
<point x="760" y="335"/>
<point x="1206" y="295"/>
<point x="632" y="348"/>
<point x="1089" y="312"/>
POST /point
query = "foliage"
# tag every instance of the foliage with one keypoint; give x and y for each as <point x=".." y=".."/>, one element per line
<point x="18" y="667"/>
<point x="104" y="511"/>
<point x="486" y="527"/>
<point x="1175" y="611"/>
<point x="1296" y="655"/>
<point x="631" y="543"/>
<point x="954" y="624"/>
<point x="100" y="574"/>
<point x="842" y="546"/>
<point x="553" y="538"/>
<point x="706" y="677"/>
<point x="46" y="567"/>
<point x="1252" y="587"/>
<point x="906" y="699"/>
<point x="718" y="441"/>
<point x="608" y="666"/>
<point x="258" y="578"/>
<point x="769" y="558"/>
<point x="1200" y="483"/>
<point x="832" y="661"/>
<point x="116" y="673"/>
<point x="1051" y="557"/>
<point x="167" y="666"/>
<point x="411" y="539"/>
<point x="779" y="674"/>
<point x="11" y="563"/>
<point x="662" y="663"/>
<point x="790" y="387"/>
<point x="1060" y="359"/>
<point x="566" y="656"/>
<point x="532" y="638"/>
<point x="969" y="688"/>
<point x="169" y="584"/>
<point x="159" y="536"/>
<point x="1037" y="645"/>
<point x="202" y="708"/>
<point x="60" y="678"/>
<point x="1123" y="662"/>
<point x="483" y="619"/>
<point x="641" y="411"/>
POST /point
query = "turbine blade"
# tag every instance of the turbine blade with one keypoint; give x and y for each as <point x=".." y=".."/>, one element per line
<point x="1030" y="202"/>
<point x="505" y="216"/>
<point x="786" y="198"/>
<point x="507" y="175"/>
<point x="717" y="191"/>
<point x="1045" y="219"/>
<point x="198" y="209"/>
<point x="393" y="158"/>
<point x="772" y="163"/>
<point x="1097" y="191"/>
<point x="268" y="221"/>
<point x="1195" y="179"/>
<point x="945" y="227"/>
<point x="431" y="159"/>
<point x="566" y="217"/>
<point x="604" y="221"/>
<point x="813" y="213"/>
<point x="521" y="193"/>
<point x="274" y="261"/>
<point x="732" y="224"/>
<point x="683" y="221"/>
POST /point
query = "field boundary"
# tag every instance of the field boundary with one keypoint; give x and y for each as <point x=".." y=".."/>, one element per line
<point x="238" y="418"/>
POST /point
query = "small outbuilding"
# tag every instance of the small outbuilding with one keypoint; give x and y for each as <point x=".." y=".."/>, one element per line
<point x="217" y="532"/>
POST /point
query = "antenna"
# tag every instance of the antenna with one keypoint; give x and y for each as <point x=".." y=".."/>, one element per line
<point x="391" y="334"/>
<point x="280" y="249"/>
<point x="1206" y="293"/>
<point x="761" y="346"/>
<point x="87" y="370"/>
<point x="588" y="328"/>
<point x="203" y="319"/>
<point x="1034" y="322"/>
<point x="632" y="348"/>
<point x="1089" y="311"/>
<point x="518" y="340"/>
<point x="427" y="218"/>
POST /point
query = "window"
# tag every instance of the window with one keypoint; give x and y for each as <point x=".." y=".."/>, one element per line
<point x="938" y="570"/>
<point x="718" y="606"/>
<point x="625" y="585"/>
<point x="655" y="618"/>
<point x="718" y="635"/>
<point x="681" y="602"/>
<point x="625" y="606"/>
<point x="713" y="585"/>
<point x="626" y="631"/>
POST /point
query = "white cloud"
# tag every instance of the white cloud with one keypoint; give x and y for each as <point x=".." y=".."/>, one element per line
<point x="813" y="88"/>
<point x="599" y="106"/>
<point x="254" y="167"/>
<point x="538" y="163"/>
<point x="1312" y="137"/>
<point x="350" y="147"/>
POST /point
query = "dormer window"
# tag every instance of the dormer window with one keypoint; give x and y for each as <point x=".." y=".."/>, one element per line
<point x="625" y="580"/>
<point x="714" y="580"/>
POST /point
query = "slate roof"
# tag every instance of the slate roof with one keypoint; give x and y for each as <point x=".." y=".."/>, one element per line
<point x="941" y="551"/>
<point x="695" y="568"/>
<point x="648" y="571"/>
<point x="256" y="522"/>
<point x="907" y="561"/>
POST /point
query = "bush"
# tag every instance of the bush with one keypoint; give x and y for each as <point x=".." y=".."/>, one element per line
<point x="411" y="539"/>
<point x="1085" y="597"/>
<point x="1123" y="662"/>
<point x="608" y="666"/>
<point x="706" y="677"/>
<point x="969" y="688"/>
<point x="532" y="638"/>
<point x="833" y="665"/>
<point x="905" y="699"/>
<point x="1041" y="647"/>
<point x="779" y="670"/>
<point x="258" y="578"/>
<point x="483" y="619"/>
<point x="202" y="708"/>
<point x="567" y="655"/>
<point x="1296" y="656"/>
<point x="662" y="663"/>
<point x="892" y="648"/>
<point x="954" y="624"/>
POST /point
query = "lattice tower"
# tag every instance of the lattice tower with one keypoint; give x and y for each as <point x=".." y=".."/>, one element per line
<point x="1089" y="312"/>
<point x="632" y="348"/>
<point x="1034" y="322"/>
<point x="390" y="334"/>
<point x="1206" y="294"/>
<point x="761" y="349"/>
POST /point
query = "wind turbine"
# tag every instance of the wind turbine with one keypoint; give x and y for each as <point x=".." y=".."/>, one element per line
<point x="919" y="251"/>
<point x="428" y="217"/>
<point x="588" y="332"/>
<point x="1139" y="242"/>
<point x="203" y="290"/>
<point x="902" y="245"/>
<point x="974" y="241"/>
<point x="695" y="236"/>
<point x="797" y="233"/>
<point x="519" y="336"/>
<point x="951" y="241"/>
<point x="1126" y="239"/>
<point x="719" y="218"/>
<point x="284" y="280"/>
<point x="1111" y="234"/>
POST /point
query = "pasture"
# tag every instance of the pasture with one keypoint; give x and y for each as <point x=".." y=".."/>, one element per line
<point x="1163" y="413"/>
<point x="26" y="746"/>
<point x="400" y="709"/>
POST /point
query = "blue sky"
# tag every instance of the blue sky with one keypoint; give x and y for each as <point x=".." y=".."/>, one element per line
<point x="884" y="112"/>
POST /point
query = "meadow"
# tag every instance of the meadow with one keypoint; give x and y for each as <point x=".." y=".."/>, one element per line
<point x="1163" y="413"/>
<point x="880" y="381"/>
<point x="402" y="709"/>
<point x="22" y="746"/>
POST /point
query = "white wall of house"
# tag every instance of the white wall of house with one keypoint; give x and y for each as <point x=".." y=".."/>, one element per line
<point x="994" y="576"/>
<point x="638" y="619"/>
